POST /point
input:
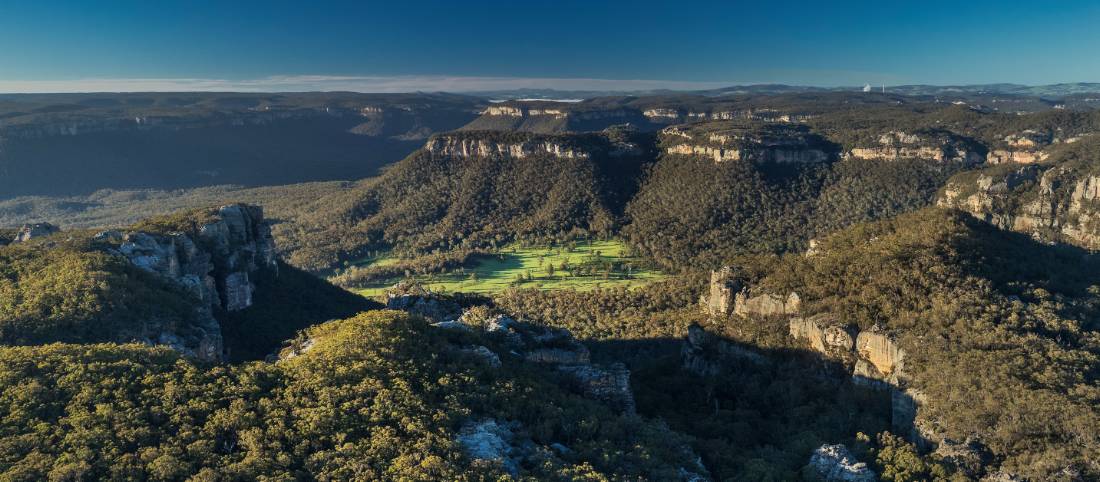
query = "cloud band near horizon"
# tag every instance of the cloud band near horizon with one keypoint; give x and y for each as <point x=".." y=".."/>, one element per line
<point x="365" y="84"/>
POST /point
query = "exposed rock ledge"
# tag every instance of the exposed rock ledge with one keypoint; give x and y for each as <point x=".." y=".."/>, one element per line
<point x="729" y="295"/>
<point x="874" y="356"/>
<point x="939" y="146"/>
<point x="215" y="263"/>
<point x="464" y="147"/>
<point x="1064" y="206"/>
<point x="767" y="143"/>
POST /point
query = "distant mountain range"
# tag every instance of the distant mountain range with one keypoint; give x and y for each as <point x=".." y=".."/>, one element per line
<point x="1045" y="91"/>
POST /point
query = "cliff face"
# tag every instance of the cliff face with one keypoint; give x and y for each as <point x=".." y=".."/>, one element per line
<point x="937" y="146"/>
<point x="1022" y="148"/>
<point x="766" y="143"/>
<point x="215" y="264"/>
<point x="676" y="115"/>
<point x="463" y="147"/>
<point x="1050" y="203"/>
<point x="874" y="357"/>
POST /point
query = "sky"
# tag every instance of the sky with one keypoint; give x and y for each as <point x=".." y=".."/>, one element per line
<point x="460" y="46"/>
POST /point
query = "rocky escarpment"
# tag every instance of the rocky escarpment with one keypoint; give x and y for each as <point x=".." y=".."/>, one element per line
<point x="1022" y="148"/>
<point x="612" y="143"/>
<point x="766" y="143"/>
<point x="873" y="357"/>
<point x="215" y="262"/>
<point x="557" y="112"/>
<point x="729" y="294"/>
<point x="455" y="146"/>
<point x="939" y="146"/>
<point x="675" y="115"/>
<point x="1050" y="203"/>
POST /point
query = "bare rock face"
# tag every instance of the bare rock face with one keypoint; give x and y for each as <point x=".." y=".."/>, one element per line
<point x="729" y="295"/>
<point x="1054" y="205"/>
<point x="484" y="354"/>
<point x="491" y="441"/>
<point x="1022" y="147"/>
<point x="881" y="352"/>
<point x="723" y="286"/>
<point x="214" y="264"/>
<point x="769" y="143"/>
<point x="766" y="304"/>
<point x="937" y="146"/>
<point x="37" y="230"/>
<point x="969" y="456"/>
<point x="463" y="147"/>
<point x="834" y="463"/>
<point x="825" y="333"/>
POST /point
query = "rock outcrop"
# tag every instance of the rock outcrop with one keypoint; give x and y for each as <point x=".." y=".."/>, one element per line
<point x="466" y="146"/>
<point x="215" y="263"/>
<point x="767" y="143"/>
<point x="766" y="304"/>
<point x="834" y="463"/>
<point x="727" y="294"/>
<point x="723" y="286"/>
<point x="1022" y="148"/>
<point x="881" y="357"/>
<point x="1051" y="204"/>
<point x="491" y="441"/>
<point x="825" y="333"/>
<point x="36" y="230"/>
<point x="937" y="146"/>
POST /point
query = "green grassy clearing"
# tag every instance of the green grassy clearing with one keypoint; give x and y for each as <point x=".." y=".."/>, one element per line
<point x="590" y="265"/>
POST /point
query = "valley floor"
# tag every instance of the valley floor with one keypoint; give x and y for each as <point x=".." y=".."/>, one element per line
<point x="588" y="265"/>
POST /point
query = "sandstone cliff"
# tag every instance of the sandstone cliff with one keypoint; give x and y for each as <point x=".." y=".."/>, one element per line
<point x="763" y="143"/>
<point x="939" y="146"/>
<point x="463" y="146"/>
<point x="1053" y="203"/>
<point x="214" y="262"/>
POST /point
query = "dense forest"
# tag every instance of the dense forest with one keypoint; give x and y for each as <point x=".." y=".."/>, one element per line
<point x="203" y="345"/>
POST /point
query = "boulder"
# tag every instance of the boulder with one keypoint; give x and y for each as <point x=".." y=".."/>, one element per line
<point x="834" y="463"/>
<point x="491" y="441"/>
<point x="36" y="230"/>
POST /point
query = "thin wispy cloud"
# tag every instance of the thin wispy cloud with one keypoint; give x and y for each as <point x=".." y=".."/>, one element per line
<point x="380" y="84"/>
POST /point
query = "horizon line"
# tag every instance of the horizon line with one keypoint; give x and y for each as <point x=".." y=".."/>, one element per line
<point x="409" y="84"/>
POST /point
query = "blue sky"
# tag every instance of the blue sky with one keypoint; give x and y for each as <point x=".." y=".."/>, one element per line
<point x="470" y="45"/>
